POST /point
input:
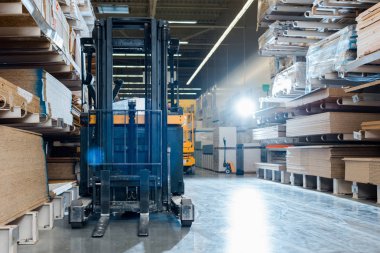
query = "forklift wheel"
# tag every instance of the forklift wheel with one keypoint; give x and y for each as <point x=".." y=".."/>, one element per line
<point x="76" y="224"/>
<point x="186" y="223"/>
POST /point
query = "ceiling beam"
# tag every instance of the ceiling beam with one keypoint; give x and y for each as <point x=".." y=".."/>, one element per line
<point x="184" y="26"/>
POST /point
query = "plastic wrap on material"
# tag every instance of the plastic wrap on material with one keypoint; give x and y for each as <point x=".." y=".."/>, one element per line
<point x="329" y="54"/>
<point x="291" y="80"/>
<point x="276" y="41"/>
<point x="278" y="64"/>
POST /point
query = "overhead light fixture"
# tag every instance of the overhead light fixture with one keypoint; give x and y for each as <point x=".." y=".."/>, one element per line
<point x="187" y="22"/>
<point x="183" y="42"/>
<point x="220" y="40"/>
<point x="112" y="9"/>
<point x="136" y="55"/>
<point x="188" y="94"/>
<point x="128" y="67"/>
<point x="128" y="75"/>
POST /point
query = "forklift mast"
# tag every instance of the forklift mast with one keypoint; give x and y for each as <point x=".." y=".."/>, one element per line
<point x="125" y="155"/>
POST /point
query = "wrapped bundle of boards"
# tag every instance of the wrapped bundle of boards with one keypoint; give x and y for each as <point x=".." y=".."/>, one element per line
<point x="325" y="57"/>
<point x="368" y="31"/>
<point x="324" y="161"/>
<point x="55" y="98"/>
<point x="12" y="96"/>
<point x="22" y="174"/>
<point x="328" y="123"/>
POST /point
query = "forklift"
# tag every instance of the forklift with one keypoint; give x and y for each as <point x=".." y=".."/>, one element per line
<point x="131" y="160"/>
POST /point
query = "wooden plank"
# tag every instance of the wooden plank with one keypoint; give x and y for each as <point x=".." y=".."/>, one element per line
<point x="362" y="86"/>
<point x="20" y="32"/>
<point x="23" y="167"/>
<point x="11" y="8"/>
<point x="363" y="170"/>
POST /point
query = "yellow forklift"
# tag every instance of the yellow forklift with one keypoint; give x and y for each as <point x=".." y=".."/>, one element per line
<point x="188" y="143"/>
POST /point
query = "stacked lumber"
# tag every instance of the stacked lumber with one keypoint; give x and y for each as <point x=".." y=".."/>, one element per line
<point x="371" y="125"/>
<point x="62" y="168"/>
<point x="324" y="161"/>
<point x="325" y="57"/>
<point x="55" y="98"/>
<point x="367" y="29"/>
<point x="272" y="10"/>
<point x="13" y="96"/>
<point x="319" y="95"/>
<point x="327" y="123"/>
<point x="363" y="170"/>
<point x="23" y="185"/>
<point x="271" y="132"/>
<point x="76" y="109"/>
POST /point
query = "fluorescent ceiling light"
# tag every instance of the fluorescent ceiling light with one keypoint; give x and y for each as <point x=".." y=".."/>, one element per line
<point x="136" y="55"/>
<point x="183" y="42"/>
<point x="128" y="75"/>
<point x="187" y="22"/>
<point x="127" y="67"/>
<point x="112" y="9"/>
<point x="220" y="40"/>
<point x="133" y="83"/>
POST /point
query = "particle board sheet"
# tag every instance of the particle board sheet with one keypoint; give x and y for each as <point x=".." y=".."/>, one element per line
<point x="271" y="132"/>
<point x="23" y="180"/>
<point x="325" y="161"/>
<point x="328" y="123"/>
<point x="363" y="170"/>
<point x="14" y="96"/>
<point x="62" y="168"/>
<point x="368" y="40"/>
<point x="55" y="97"/>
<point x="318" y="95"/>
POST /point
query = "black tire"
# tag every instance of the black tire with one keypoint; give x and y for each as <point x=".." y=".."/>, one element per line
<point x="75" y="225"/>
<point x="186" y="223"/>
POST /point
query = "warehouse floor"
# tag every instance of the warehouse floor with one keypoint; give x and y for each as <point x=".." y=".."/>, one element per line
<point x="236" y="214"/>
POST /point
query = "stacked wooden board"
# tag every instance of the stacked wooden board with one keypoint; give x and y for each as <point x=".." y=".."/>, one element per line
<point x="62" y="168"/>
<point x="324" y="161"/>
<point x="55" y="98"/>
<point x="363" y="170"/>
<point x="13" y="96"/>
<point x="271" y="132"/>
<point x="23" y="179"/>
<point x="367" y="29"/>
<point x="327" y="123"/>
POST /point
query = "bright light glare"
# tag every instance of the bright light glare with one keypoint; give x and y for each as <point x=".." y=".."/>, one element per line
<point x="245" y="107"/>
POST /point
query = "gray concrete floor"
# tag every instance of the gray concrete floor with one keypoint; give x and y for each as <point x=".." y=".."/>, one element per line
<point x="235" y="214"/>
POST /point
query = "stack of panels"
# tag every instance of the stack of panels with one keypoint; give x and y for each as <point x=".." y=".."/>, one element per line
<point x="286" y="39"/>
<point x="22" y="174"/>
<point x="339" y="10"/>
<point x="368" y="31"/>
<point x="327" y="123"/>
<point x="271" y="132"/>
<point x="363" y="170"/>
<point x="271" y="10"/>
<point x="13" y="96"/>
<point x="324" y="161"/>
<point x="63" y="168"/>
<point x="55" y="98"/>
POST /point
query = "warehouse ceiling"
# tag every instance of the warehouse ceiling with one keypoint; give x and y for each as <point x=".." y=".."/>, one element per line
<point x="210" y="19"/>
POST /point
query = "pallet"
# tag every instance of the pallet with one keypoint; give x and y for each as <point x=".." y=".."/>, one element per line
<point x="273" y="172"/>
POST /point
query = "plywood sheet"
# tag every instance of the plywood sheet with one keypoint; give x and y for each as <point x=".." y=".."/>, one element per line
<point x="23" y="184"/>
<point x="363" y="170"/>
